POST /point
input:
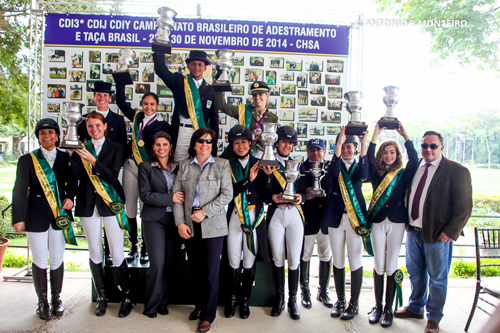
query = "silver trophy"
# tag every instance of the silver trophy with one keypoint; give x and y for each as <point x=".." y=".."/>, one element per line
<point x="72" y="115"/>
<point x="125" y="60"/>
<point x="292" y="173"/>
<point x="354" y="105"/>
<point x="390" y="99"/>
<point x="165" y="23"/>
<point x="268" y="138"/>
<point x="224" y="64"/>
<point x="316" y="170"/>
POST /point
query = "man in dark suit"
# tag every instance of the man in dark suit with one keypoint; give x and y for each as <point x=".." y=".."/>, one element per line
<point x="439" y="204"/>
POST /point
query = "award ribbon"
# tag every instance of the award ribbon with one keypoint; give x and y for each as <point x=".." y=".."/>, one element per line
<point x="48" y="182"/>
<point x="398" y="277"/>
<point x="139" y="151"/>
<point x="245" y="114"/>
<point x="193" y="102"/>
<point x="241" y="205"/>
<point x="353" y="209"/>
<point x="383" y="192"/>
<point x="282" y="181"/>
<point x="106" y="191"/>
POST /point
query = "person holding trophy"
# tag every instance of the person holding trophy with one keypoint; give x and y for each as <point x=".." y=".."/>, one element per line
<point x="345" y="217"/>
<point x="286" y="223"/>
<point x="388" y="215"/>
<point x="42" y="199"/>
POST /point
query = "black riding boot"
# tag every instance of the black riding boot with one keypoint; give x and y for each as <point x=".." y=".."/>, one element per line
<point x="390" y="293"/>
<point x="132" y="236"/>
<point x="108" y="261"/>
<point x="356" y="282"/>
<point x="231" y="305"/>
<point x="144" y="253"/>
<point x="98" y="278"/>
<point x="304" y="284"/>
<point x="339" y="280"/>
<point x="293" y="285"/>
<point x="56" y="281"/>
<point x="247" y="278"/>
<point x="124" y="281"/>
<point x="325" y="269"/>
<point x="279" y="284"/>
<point x="40" y="282"/>
<point x="376" y="312"/>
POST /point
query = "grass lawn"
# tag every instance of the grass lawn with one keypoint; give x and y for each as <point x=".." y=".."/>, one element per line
<point x="485" y="181"/>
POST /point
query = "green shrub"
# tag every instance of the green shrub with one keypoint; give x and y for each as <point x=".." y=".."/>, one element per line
<point x="464" y="268"/>
<point x="14" y="260"/>
<point x="70" y="266"/>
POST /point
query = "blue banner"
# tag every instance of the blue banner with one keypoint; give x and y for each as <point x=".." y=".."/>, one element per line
<point x="251" y="36"/>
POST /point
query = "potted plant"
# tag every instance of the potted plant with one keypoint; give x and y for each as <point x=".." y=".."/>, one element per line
<point x="4" y="228"/>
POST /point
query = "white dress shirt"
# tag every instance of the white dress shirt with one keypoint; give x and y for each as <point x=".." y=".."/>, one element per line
<point x="50" y="155"/>
<point x="98" y="145"/>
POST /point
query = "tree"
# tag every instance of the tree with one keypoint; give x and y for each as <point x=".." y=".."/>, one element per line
<point x="474" y="40"/>
<point x="18" y="135"/>
<point x="488" y="122"/>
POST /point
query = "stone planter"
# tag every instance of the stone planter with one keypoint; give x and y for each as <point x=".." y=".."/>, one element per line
<point x="4" y="242"/>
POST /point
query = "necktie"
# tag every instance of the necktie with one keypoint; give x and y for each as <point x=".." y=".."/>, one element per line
<point x="418" y="194"/>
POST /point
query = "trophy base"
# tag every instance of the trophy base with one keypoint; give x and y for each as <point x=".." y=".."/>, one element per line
<point x="122" y="78"/>
<point x="265" y="163"/>
<point x="71" y="144"/>
<point x="389" y="123"/>
<point x="161" y="47"/>
<point x="287" y="198"/>
<point x="221" y="86"/>
<point x="316" y="193"/>
<point x="355" y="128"/>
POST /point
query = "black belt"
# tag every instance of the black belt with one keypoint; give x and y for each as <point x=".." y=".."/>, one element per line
<point x="186" y="125"/>
<point x="417" y="229"/>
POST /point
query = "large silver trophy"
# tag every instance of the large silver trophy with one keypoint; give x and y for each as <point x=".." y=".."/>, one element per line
<point x="224" y="64"/>
<point x="390" y="99"/>
<point x="125" y="60"/>
<point x="268" y="138"/>
<point x="316" y="170"/>
<point x="354" y="105"/>
<point x="292" y="173"/>
<point x="165" y="25"/>
<point x="72" y="115"/>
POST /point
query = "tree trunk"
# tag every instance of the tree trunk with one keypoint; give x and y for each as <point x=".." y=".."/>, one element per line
<point x="487" y="146"/>
<point x="16" y="148"/>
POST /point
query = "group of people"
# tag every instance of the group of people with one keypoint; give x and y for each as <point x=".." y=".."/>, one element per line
<point x="189" y="195"/>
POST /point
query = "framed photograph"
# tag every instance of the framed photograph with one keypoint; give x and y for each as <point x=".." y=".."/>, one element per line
<point x="274" y="91"/>
<point x="148" y="74"/>
<point x="220" y="146"/>
<point x="334" y="92"/>
<point x="314" y="66"/>
<point x="308" y="114"/>
<point x="134" y="74"/>
<point x="276" y="62"/>
<point x="112" y="57"/>
<point x="91" y="109"/>
<point x="332" y="79"/>
<point x="129" y="93"/>
<point x="234" y="100"/>
<point x="110" y="79"/>
<point x="56" y="91"/>
<point x="146" y="57"/>
<point x="330" y="117"/>
<point x="334" y="104"/>
<point x="317" y="90"/>
<point x="256" y="61"/>
<point x="286" y="76"/>
<point x="301" y="145"/>
<point x="57" y="56"/>
<point x="301" y="130"/>
<point x="271" y="77"/>
<point x="90" y="100"/>
<point x="75" y="92"/>
<point x="298" y="158"/>
<point x="222" y="119"/>
<point x="318" y="100"/>
<point x="237" y="90"/>
<point x="113" y="101"/>
<point x="165" y="106"/>
<point x="142" y="88"/>
<point x="272" y="103"/>
<point x="77" y="76"/>
<point x="94" y="56"/>
<point x="234" y="75"/>
<point x="107" y="69"/>
<point x="302" y="98"/>
<point x="331" y="146"/>
<point x="315" y="78"/>
<point x="286" y="115"/>
<point x="332" y="130"/>
<point x="249" y="100"/>
<point x="336" y="66"/>
<point x="77" y="60"/>
<point x="252" y="74"/>
<point x="95" y="71"/>
<point x="162" y="91"/>
<point x="57" y="72"/>
<point x="90" y="86"/>
<point x="317" y="130"/>
<point x="302" y="80"/>
<point x="292" y="65"/>
<point x="53" y="107"/>
<point x="288" y="88"/>
<point x="287" y="102"/>
<point x="176" y="58"/>
<point x="238" y="60"/>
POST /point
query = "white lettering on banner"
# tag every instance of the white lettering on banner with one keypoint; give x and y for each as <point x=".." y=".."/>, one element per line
<point x="301" y="32"/>
<point x="184" y="26"/>
<point x="97" y="24"/>
<point x="69" y="23"/>
<point x="119" y="24"/>
<point x="223" y="27"/>
<point x="123" y="37"/>
<point x="307" y="44"/>
<point x="94" y="37"/>
<point x="224" y="40"/>
<point x="144" y="25"/>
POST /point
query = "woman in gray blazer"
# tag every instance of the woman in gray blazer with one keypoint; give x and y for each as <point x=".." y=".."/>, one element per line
<point x="156" y="179"/>
<point x="203" y="188"/>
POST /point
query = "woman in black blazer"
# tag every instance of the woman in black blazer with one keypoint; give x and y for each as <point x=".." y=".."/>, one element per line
<point x="388" y="215"/>
<point x="156" y="179"/>
<point x="99" y="201"/>
<point x="145" y="125"/>
<point x="31" y="212"/>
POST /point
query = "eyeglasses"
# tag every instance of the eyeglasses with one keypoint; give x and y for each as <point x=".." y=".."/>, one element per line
<point x="432" y="145"/>
<point x="202" y="141"/>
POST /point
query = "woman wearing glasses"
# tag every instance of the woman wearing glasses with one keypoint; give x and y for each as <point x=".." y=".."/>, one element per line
<point x="388" y="215"/>
<point x="202" y="189"/>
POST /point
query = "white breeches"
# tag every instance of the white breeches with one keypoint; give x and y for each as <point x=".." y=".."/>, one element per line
<point x="183" y="140"/>
<point x="51" y="243"/>
<point x="237" y="242"/>
<point x="131" y="187"/>
<point x="323" y="244"/>
<point x="386" y="238"/>
<point x="341" y="236"/>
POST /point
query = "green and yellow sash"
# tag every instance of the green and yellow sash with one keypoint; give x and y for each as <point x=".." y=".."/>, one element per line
<point x="193" y="102"/>
<point x="241" y="204"/>
<point x="106" y="191"/>
<point x="383" y="192"/>
<point x="353" y="209"/>
<point x="278" y="174"/>
<point x="139" y="151"/>
<point x="48" y="181"/>
<point x="245" y="114"/>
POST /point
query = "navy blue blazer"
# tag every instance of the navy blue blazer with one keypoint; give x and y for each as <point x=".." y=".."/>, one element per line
<point x="335" y="207"/>
<point x="175" y="81"/>
<point x="29" y="204"/>
<point x="116" y="129"/>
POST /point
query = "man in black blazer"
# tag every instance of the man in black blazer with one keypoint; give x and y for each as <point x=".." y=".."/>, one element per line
<point x="182" y="126"/>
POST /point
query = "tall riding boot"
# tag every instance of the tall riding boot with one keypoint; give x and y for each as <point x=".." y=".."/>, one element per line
<point x="56" y="281"/>
<point x="124" y="282"/>
<point x="390" y="293"/>
<point x="304" y="284"/>
<point x="279" y="284"/>
<point x="325" y="269"/>
<point x="108" y="261"/>
<point x="40" y="282"/>
<point x="132" y="236"/>
<point x="356" y="282"/>
<point x="293" y="284"/>
<point x="376" y="312"/>
<point x="98" y="277"/>
<point x="247" y="278"/>
<point x="339" y="280"/>
<point x="144" y="252"/>
<point x="230" y="308"/>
